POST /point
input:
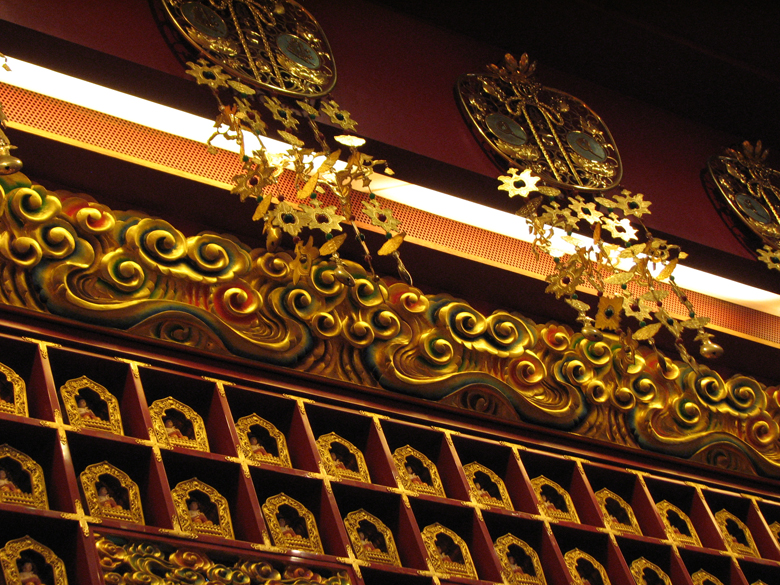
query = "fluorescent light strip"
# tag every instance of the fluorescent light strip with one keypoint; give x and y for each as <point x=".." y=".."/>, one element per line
<point x="166" y="119"/>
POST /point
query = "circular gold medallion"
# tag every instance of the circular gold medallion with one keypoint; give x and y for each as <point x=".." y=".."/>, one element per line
<point x="751" y="189"/>
<point x="277" y="46"/>
<point x="529" y="126"/>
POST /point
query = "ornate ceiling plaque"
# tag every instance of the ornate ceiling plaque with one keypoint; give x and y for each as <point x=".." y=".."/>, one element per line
<point x="751" y="189"/>
<point x="533" y="127"/>
<point x="277" y="46"/>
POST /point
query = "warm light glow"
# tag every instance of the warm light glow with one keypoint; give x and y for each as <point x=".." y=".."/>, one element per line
<point x="167" y="119"/>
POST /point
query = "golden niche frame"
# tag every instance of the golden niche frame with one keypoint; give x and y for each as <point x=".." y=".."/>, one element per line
<point x="733" y="542"/>
<point x="701" y="577"/>
<point x="371" y="540"/>
<point x="614" y="519"/>
<point x="413" y="476"/>
<point x="18" y="394"/>
<point x="547" y="506"/>
<point x="292" y="528"/>
<point x="258" y="451"/>
<point x="13" y="553"/>
<point x="481" y="493"/>
<point x="641" y="564"/>
<point x="105" y="504"/>
<point x="342" y="459"/>
<point x="173" y="436"/>
<point x="10" y="492"/>
<point x="774" y="528"/>
<point x="573" y="558"/>
<point x="81" y="415"/>
<point x="673" y="528"/>
<point x="446" y="550"/>
<point x="207" y="514"/>
<point x="514" y="572"/>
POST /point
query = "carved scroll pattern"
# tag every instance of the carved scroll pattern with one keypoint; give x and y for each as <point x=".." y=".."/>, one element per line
<point x="70" y="256"/>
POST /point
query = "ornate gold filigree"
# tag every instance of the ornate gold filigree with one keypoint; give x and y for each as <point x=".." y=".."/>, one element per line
<point x="21" y="480"/>
<point x="130" y="272"/>
<point x="200" y="509"/>
<point x="129" y="563"/>
<point x="538" y="128"/>
<point x="91" y="406"/>
<point x="371" y="540"/>
<point x="581" y="566"/>
<point x="639" y="568"/>
<point x="13" y="400"/>
<point x="736" y="534"/>
<point x="448" y="552"/>
<point x="342" y="459"/>
<point x="486" y="487"/>
<point x="417" y="473"/>
<point x="774" y="528"/>
<point x="702" y="577"/>
<point x="618" y="514"/>
<point x="291" y="524"/>
<point x="554" y="501"/>
<point x="256" y="449"/>
<point x="18" y="558"/>
<point x="679" y="527"/>
<point x="169" y="433"/>
<point x="520" y="564"/>
<point x="111" y="493"/>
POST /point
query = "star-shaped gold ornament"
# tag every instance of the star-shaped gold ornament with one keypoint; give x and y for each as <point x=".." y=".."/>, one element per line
<point x="288" y="218"/>
<point x="619" y="228"/>
<point x="207" y="74"/>
<point x="632" y="204"/>
<point x="608" y="314"/>
<point x="382" y="218"/>
<point x="521" y="184"/>
<point x="321" y="218"/>
<point x="769" y="256"/>
<point x="281" y="112"/>
<point x="337" y="115"/>
<point x="586" y="211"/>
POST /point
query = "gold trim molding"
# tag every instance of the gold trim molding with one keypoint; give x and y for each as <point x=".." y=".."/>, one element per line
<point x="70" y="256"/>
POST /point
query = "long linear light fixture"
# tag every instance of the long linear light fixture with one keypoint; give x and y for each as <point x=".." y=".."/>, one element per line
<point x="166" y="119"/>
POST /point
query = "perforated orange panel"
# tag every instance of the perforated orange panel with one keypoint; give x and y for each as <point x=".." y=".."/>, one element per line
<point x="95" y="131"/>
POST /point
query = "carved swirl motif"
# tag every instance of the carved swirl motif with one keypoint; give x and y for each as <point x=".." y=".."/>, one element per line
<point x="144" y="562"/>
<point x="67" y="255"/>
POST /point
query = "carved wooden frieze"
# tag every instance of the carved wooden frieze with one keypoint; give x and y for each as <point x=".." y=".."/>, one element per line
<point x="67" y="255"/>
<point x="142" y="562"/>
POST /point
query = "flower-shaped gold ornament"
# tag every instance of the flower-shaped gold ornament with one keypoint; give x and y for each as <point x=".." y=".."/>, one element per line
<point x="207" y="74"/>
<point x="619" y="228"/>
<point x="631" y="204"/>
<point x="280" y="112"/>
<point x="521" y="184"/>
<point x="249" y="117"/>
<point x="287" y="217"/>
<point x="337" y="115"/>
<point x="769" y="256"/>
<point x="586" y="211"/>
<point x="382" y="218"/>
<point x="325" y="219"/>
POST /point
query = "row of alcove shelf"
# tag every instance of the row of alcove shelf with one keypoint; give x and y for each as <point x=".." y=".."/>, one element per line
<point x="64" y="453"/>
